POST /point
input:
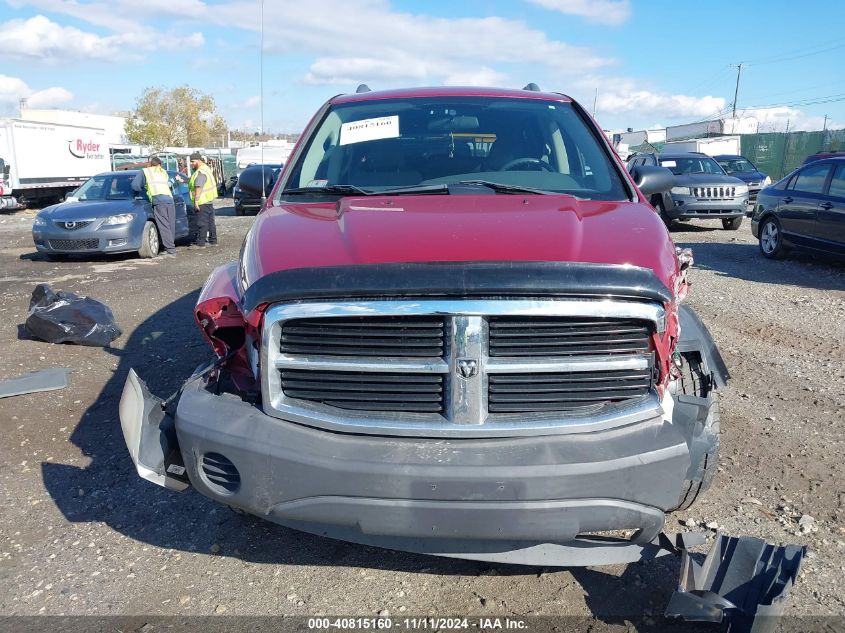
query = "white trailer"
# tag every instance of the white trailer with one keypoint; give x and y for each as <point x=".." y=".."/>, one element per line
<point x="714" y="146"/>
<point x="41" y="162"/>
<point x="270" y="154"/>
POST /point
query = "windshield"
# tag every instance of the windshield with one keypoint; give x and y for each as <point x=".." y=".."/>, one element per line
<point x="107" y="187"/>
<point x="682" y="166"/>
<point x="737" y="164"/>
<point x="388" y="144"/>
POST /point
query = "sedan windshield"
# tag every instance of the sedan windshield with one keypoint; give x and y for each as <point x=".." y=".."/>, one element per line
<point x="737" y="165"/>
<point x="107" y="187"/>
<point x="683" y="165"/>
<point x="387" y="145"/>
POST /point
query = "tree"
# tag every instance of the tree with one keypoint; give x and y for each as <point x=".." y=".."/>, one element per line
<point x="177" y="117"/>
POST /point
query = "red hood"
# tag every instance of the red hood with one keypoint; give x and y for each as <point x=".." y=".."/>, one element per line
<point x="440" y="228"/>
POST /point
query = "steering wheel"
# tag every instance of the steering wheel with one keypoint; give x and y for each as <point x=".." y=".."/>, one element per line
<point x="526" y="161"/>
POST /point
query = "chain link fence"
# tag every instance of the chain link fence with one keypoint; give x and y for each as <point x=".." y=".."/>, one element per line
<point x="777" y="153"/>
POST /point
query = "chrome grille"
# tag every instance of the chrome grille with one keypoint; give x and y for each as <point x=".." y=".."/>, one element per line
<point x="71" y="225"/>
<point x="74" y="245"/>
<point x="486" y="364"/>
<point x="367" y="391"/>
<point x="556" y="336"/>
<point x="365" y="336"/>
<point x="714" y="193"/>
<point x="510" y="393"/>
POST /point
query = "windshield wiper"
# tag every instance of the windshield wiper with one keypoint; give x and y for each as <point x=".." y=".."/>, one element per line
<point x="337" y="190"/>
<point x="413" y="190"/>
<point x="500" y="188"/>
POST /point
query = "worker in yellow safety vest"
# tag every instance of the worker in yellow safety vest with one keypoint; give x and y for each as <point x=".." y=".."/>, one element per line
<point x="203" y="191"/>
<point x="155" y="182"/>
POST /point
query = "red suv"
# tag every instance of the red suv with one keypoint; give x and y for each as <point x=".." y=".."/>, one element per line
<point x="455" y="328"/>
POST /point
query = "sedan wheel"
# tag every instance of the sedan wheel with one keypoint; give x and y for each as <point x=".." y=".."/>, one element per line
<point x="150" y="243"/>
<point x="771" y="239"/>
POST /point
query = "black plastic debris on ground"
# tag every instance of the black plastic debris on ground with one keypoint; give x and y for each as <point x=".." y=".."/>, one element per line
<point x="743" y="581"/>
<point x="65" y="317"/>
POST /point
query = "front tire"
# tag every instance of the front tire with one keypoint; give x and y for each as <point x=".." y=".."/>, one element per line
<point x="731" y="224"/>
<point x="661" y="210"/>
<point x="150" y="242"/>
<point x="239" y="210"/>
<point x="771" y="239"/>
<point x="693" y="382"/>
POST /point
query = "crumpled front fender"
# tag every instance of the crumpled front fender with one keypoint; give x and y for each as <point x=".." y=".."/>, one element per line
<point x="150" y="436"/>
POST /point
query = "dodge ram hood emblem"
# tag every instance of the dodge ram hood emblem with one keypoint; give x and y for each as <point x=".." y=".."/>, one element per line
<point x="467" y="368"/>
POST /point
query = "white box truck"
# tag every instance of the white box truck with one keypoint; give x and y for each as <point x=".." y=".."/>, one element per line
<point x="713" y="146"/>
<point x="42" y="162"/>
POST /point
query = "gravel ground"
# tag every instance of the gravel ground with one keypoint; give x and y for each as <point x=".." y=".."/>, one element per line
<point x="80" y="533"/>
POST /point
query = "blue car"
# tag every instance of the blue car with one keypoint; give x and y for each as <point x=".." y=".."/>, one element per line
<point x="805" y="210"/>
<point x="742" y="168"/>
<point x="106" y="216"/>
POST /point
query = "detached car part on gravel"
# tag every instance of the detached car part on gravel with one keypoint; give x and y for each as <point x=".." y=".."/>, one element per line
<point x="455" y="328"/>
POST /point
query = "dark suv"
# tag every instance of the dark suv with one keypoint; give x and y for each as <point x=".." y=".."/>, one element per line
<point x="702" y="189"/>
<point x="742" y="168"/>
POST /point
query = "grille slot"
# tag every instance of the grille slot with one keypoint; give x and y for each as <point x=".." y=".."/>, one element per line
<point x="714" y="193"/>
<point x="220" y="472"/>
<point x="74" y="245"/>
<point x="366" y="391"/>
<point x="565" y="336"/>
<point x="70" y="225"/>
<point x="421" y="336"/>
<point x="524" y="393"/>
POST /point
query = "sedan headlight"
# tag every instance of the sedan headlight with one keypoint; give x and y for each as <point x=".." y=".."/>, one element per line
<point x="39" y="221"/>
<point x="123" y="218"/>
<point x="681" y="191"/>
<point x="766" y="181"/>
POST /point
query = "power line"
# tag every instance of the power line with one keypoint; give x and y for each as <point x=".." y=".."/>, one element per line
<point x="798" y="54"/>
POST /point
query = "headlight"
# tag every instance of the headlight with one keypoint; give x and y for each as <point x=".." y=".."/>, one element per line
<point x="39" y="221"/>
<point x="741" y="190"/>
<point x="123" y="218"/>
<point x="766" y="181"/>
<point x="681" y="191"/>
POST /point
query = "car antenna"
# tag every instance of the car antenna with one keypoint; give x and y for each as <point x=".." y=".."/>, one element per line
<point x="362" y="88"/>
<point x="532" y="87"/>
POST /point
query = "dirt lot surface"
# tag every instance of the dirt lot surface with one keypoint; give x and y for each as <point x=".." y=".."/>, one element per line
<point x="80" y="533"/>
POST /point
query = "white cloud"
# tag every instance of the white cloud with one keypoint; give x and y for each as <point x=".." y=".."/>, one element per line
<point x="41" y="38"/>
<point x="612" y="12"/>
<point x="249" y="102"/>
<point x="49" y="97"/>
<point x="483" y="76"/>
<point x="401" y="45"/>
<point x="12" y="89"/>
<point x="652" y="104"/>
<point x="347" y="70"/>
<point x="775" y="119"/>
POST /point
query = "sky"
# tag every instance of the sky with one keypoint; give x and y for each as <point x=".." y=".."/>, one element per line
<point x="642" y="63"/>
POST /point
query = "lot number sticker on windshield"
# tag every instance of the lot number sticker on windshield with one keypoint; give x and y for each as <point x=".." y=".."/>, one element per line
<point x="369" y="130"/>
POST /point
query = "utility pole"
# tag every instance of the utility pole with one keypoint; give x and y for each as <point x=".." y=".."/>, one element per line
<point x="785" y="144"/>
<point x="736" y="92"/>
<point x="595" y="100"/>
<point x="824" y="134"/>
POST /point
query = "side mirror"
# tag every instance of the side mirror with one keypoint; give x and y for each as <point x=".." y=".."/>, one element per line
<point x="651" y="179"/>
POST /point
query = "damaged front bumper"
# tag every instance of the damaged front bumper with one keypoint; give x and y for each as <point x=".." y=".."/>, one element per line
<point x="542" y="500"/>
<point x="470" y="499"/>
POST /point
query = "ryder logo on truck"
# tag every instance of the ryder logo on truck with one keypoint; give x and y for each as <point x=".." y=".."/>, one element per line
<point x="84" y="149"/>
